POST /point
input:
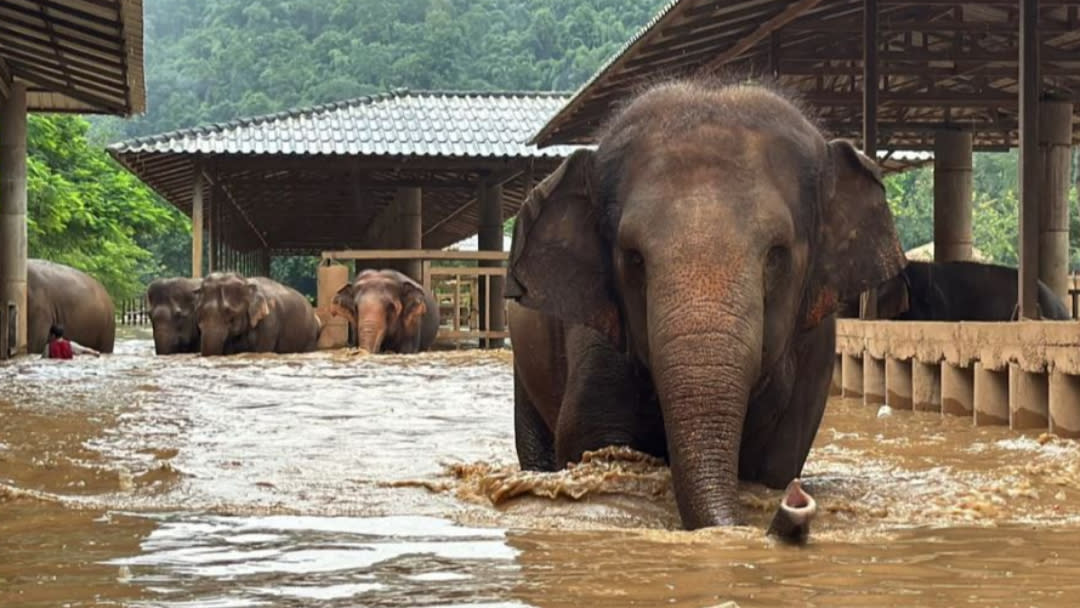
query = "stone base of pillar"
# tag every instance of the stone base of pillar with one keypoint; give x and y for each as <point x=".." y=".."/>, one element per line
<point x="873" y="381"/>
<point x="1064" y="405"/>
<point x="991" y="393"/>
<point x="852" y="376"/>
<point x="1028" y="399"/>
<point x="898" y="384"/>
<point x="957" y="390"/>
<point x="926" y="386"/>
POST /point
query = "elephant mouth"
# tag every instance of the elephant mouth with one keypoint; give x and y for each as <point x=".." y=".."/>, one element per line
<point x="791" y="523"/>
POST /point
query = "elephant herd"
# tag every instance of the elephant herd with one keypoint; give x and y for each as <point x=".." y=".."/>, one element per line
<point x="674" y="290"/>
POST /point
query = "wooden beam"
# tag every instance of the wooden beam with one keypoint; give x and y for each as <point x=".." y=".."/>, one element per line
<point x="411" y="254"/>
<point x="471" y="202"/>
<point x="5" y="80"/>
<point x="77" y="94"/>
<point x="786" y="16"/>
<point x="1030" y="174"/>
<point x="197" y="226"/>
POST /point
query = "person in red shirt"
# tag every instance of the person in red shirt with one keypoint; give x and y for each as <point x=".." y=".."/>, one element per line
<point x="60" y="348"/>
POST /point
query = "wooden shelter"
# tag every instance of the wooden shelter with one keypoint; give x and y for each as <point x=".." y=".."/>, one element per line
<point x="403" y="170"/>
<point x="55" y="56"/>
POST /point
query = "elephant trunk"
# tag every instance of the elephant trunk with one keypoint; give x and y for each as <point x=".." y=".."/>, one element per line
<point x="212" y="341"/>
<point x="370" y="333"/>
<point x="705" y="357"/>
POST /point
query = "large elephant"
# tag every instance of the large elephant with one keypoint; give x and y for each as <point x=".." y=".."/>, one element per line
<point x="683" y="279"/>
<point x="60" y="295"/>
<point x="955" y="291"/>
<point x="237" y="314"/>
<point x="172" y="314"/>
<point x="390" y="311"/>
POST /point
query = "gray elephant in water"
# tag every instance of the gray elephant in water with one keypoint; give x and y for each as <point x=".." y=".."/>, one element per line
<point x="237" y="315"/>
<point x="677" y="289"/>
<point x="172" y="314"/>
<point x="955" y="291"/>
<point x="61" y="295"/>
<point x="390" y="311"/>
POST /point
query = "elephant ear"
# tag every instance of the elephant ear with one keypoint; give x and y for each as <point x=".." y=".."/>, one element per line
<point x="413" y="306"/>
<point x="859" y="245"/>
<point x="259" y="305"/>
<point x="344" y="303"/>
<point x="559" y="263"/>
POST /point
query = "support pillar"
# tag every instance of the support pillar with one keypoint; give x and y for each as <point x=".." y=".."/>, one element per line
<point x="898" y="384"/>
<point x="331" y="278"/>
<point x="13" y="243"/>
<point x="952" y="196"/>
<point x="836" y="387"/>
<point x="991" y="393"/>
<point x="1055" y="138"/>
<point x="851" y="377"/>
<point x="1028" y="399"/>
<point x="1064" y="405"/>
<point x="926" y="386"/>
<point x="957" y="390"/>
<point x="871" y="84"/>
<point x="873" y="380"/>
<point x="212" y="234"/>
<point x="490" y="238"/>
<point x="1030" y="88"/>
<point x="197" y="225"/>
<point x="410" y="228"/>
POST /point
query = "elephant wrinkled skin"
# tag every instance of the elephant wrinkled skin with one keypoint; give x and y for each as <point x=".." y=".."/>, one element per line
<point x="390" y="311"/>
<point x="172" y="315"/>
<point x="677" y="289"/>
<point x="58" y="294"/>
<point x="237" y="315"/>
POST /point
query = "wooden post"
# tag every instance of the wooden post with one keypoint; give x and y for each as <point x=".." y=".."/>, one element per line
<point x="197" y="225"/>
<point x="952" y="195"/>
<point x="409" y="227"/>
<point x="212" y="230"/>
<point x="490" y="238"/>
<point x="13" y="240"/>
<point x="1055" y="138"/>
<point x="1030" y="171"/>
<point x="868" y="300"/>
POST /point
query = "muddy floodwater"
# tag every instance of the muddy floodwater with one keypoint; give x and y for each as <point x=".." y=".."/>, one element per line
<point x="340" y="479"/>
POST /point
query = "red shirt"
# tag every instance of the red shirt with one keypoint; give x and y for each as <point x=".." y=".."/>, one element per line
<point x="60" y="349"/>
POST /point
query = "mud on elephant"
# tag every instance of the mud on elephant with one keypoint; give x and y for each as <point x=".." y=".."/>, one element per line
<point x="61" y="295"/>
<point x="677" y="289"/>
<point x="172" y="315"/>
<point x="390" y="311"/>
<point x="237" y="314"/>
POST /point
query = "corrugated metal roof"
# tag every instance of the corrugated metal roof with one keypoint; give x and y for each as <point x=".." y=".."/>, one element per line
<point x="402" y="123"/>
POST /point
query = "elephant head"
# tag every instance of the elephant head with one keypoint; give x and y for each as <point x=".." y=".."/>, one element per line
<point x="386" y="307"/>
<point x="228" y="309"/>
<point x="712" y="225"/>
<point x="172" y="313"/>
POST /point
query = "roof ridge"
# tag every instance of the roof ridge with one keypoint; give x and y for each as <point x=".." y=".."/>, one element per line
<point x="395" y="93"/>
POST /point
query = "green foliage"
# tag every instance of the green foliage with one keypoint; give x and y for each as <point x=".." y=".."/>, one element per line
<point x="86" y="211"/>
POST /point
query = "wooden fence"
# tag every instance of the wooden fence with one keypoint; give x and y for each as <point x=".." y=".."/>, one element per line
<point x="133" y="311"/>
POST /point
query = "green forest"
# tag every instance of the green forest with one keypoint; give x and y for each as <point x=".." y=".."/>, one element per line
<point x="215" y="61"/>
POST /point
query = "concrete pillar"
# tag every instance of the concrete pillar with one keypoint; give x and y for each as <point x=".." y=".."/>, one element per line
<point x="836" y="387"/>
<point x="898" y="384"/>
<point x="331" y="278"/>
<point x="1055" y="133"/>
<point x="991" y="394"/>
<point x="13" y="244"/>
<point x="410" y="227"/>
<point x="957" y="390"/>
<point x="952" y="195"/>
<point x="490" y="238"/>
<point x="851" y="377"/>
<point x="1029" y="89"/>
<point x="1064" y="404"/>
<point x="926" y="386"/>
<point x="1028" y="399"/>
<point x="197" y="225"/>
<point x="873" y="371"/>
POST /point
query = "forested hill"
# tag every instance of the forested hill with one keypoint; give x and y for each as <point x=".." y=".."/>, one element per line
<point x="213" y="61"/>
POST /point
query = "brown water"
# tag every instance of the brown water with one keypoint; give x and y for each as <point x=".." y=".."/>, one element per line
<point x="337" y="479"/>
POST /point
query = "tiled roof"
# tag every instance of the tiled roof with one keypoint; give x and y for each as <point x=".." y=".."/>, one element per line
<point x="402" y="123"/>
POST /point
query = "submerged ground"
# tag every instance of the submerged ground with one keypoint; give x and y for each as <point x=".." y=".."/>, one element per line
<point x="337" y="479"/>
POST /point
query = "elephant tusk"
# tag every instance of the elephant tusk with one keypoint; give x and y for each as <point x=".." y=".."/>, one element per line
<point x="791" y="523"/>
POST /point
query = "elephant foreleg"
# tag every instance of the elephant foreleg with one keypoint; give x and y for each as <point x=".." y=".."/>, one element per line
<point x="533" y="439"/>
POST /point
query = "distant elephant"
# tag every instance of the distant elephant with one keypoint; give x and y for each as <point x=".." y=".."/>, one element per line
<point x="238" y="315"/>
<point x="680" y="283"/>
<point x="172" y="314"/>
<point x="955" y="291"/>
<point x="60" y="295"/>
<point x="390" y="311"/>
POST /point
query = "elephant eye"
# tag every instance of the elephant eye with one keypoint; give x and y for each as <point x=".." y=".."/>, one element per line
<point x="634" y="259"/>
<point x="776" y="264"/>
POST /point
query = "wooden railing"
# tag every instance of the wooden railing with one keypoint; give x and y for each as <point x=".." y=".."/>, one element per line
<point x="457" y="289"/>
<point x="133" y="311"/>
